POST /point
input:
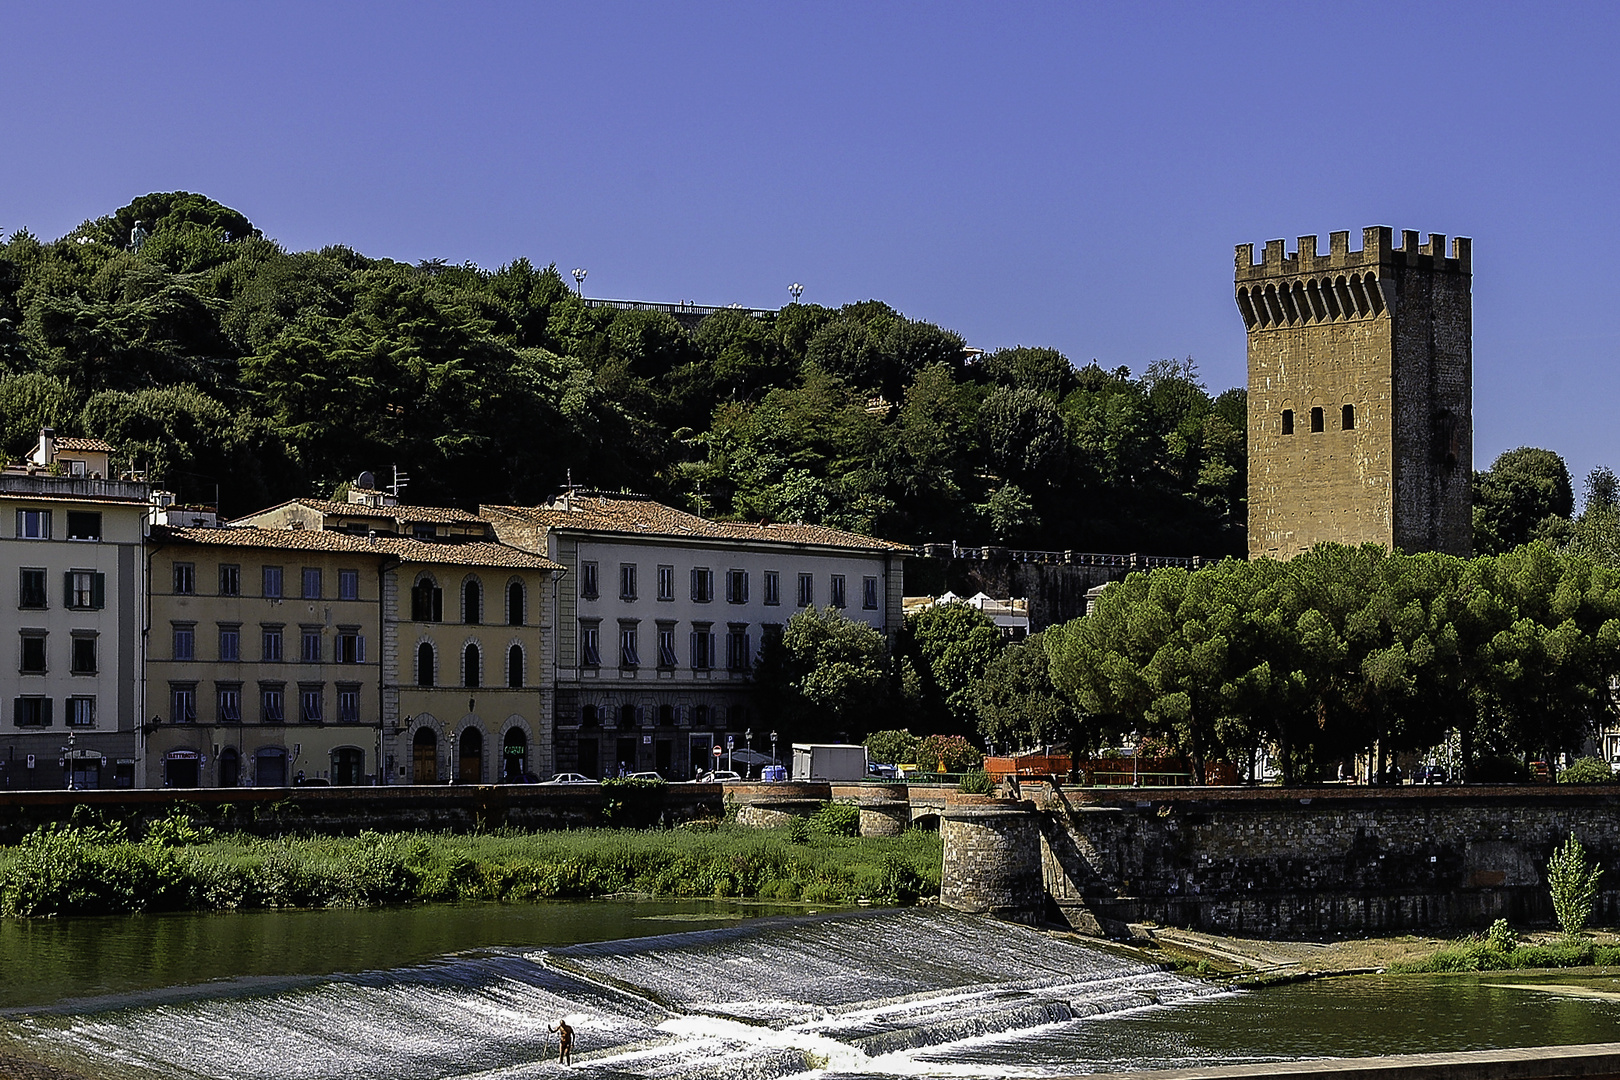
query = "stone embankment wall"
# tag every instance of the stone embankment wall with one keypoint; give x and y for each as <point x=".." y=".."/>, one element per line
<point x="346" y="811"/>
<point x="1286" y="862"/>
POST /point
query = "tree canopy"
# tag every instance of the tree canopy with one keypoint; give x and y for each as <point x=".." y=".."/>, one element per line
<point x="287" y="373"/>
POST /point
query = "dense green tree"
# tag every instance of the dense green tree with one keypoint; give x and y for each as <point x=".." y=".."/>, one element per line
<point x="1524" y="495"/>
<point x="28" y="403"/>
<point x="826" y="677"/>
<point x="950" y="646"/>
<point x="1017" y="704"/>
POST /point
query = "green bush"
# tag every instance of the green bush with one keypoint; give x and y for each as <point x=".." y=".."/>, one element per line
<point x="836" y="819"/>
<point x="1502" y="937"/>
<point x="1587" y="770"/>
<point x="976" y="782"/>
<point x="94" y="870"/>
<point x="1573" y="884"/>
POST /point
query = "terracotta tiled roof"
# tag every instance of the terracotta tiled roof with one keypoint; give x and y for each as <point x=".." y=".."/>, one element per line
<point x="476" y="553"/>
<point x="634" y="515"/>
<point x="441" y="515"/>
<point x="68" y="442"/>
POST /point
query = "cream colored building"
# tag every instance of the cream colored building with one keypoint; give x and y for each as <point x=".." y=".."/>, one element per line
<point x="465" y="689"/>
<point x="72" y="613"/>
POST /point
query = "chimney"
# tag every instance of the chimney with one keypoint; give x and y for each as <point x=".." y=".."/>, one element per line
<point x="47" y="445"/>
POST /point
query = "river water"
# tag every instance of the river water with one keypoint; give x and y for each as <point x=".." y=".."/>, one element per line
<point x="697" y="991"/>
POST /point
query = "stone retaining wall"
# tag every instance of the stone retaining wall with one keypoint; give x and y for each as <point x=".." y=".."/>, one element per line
<point x="1296" y="863"/>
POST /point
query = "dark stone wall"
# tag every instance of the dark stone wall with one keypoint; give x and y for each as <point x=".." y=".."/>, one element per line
<point x="1321" y="861"/>
<point x="1056" y="590"/>
<point x="346" y="811"/>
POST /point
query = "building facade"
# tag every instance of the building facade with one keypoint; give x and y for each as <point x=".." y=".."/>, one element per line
<point x="74" y="611"/>
<point x="660" y="616"/>
<point x="465" y="693"/>
<point x="1360" y="393"/>
<point x="262" y="659"/>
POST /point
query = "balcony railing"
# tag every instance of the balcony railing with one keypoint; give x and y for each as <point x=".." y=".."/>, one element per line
<point x="73" y="487"/>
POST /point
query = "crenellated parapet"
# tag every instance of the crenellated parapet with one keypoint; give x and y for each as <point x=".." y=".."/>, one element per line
<point x="1305" y="286"/>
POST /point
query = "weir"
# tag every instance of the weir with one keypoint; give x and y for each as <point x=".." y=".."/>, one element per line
<point x="1269" y="861"/>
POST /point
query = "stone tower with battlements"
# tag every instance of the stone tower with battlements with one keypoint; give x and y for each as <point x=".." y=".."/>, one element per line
<point x="1360" y="393"/>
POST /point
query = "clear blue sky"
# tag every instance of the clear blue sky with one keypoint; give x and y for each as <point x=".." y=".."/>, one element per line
<point x="1072" y="175"/>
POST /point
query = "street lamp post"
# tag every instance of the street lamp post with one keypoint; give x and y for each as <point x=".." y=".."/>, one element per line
<point x="67" y="759"/>
<point x="773" y="749"/>
<point x="795" y="289"/>
<point x="731" y="744"/>
<point x="454" y="761"/>
<point x="579" y="280"/>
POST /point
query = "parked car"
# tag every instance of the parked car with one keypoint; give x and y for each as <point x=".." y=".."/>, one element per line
<point x="887" y="772"/>
<point x="569" y="778"/>
<point x="1431" y="774"/>
<point x="718" y="776"/>
<point x="646" y="776"/>
<point x="312" y="781"/>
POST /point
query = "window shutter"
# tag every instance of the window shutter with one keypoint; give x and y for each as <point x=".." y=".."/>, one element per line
<point x="694" y="584"/>
<point x="438" y="604"/>
<point x="98" y="591"/>
<point x="711" y="649"/>
<point x="694" y="653"/>
<point x="17" y="704"/>
<point x="45" y="712"/>
<point x="360" y="649"/>
<point x="67" y="589"/>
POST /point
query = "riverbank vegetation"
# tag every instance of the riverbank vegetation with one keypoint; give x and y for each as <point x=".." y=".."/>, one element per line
<point x="101" y="870"/>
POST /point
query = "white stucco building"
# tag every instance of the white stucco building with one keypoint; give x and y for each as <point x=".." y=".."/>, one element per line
<point x="661" y="614"/>
<point x="73" y="617"/>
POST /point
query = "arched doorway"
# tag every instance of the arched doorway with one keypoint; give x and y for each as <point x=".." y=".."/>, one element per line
<point x="515" y="756"/>
<point x="471" y="769"/>
<point x="425" y="757"/>
<point x="348" y="766"/>
<point x="230" y="767"/>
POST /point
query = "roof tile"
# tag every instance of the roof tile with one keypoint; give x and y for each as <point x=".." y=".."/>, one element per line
<point x="474" y="553"/>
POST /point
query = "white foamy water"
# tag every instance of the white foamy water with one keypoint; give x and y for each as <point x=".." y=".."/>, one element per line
<point x="868" y="994"/>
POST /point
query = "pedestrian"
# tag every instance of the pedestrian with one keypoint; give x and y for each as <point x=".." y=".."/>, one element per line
<point x="565" y="1041"/>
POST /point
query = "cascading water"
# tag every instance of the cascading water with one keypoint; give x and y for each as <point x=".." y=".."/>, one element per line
<point x="873" y="993"/>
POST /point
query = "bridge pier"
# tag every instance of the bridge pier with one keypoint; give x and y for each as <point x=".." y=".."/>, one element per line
<point x="992" y="858"/>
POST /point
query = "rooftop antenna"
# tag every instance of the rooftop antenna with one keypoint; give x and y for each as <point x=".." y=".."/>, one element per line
<point x="401" y="480"/>
<point x="697" y="497"/>
<point x="568" y="492"/>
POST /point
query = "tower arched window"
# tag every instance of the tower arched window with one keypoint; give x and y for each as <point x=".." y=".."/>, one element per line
<point x="470" y="666"/>
<point x="424" y="664"/>
<point x="514" y="604"/>
<point x="514" y="667"/>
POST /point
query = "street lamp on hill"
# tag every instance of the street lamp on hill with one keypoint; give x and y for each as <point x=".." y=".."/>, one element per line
<point x="579" y="280"/>
<point x="795" y="289"/>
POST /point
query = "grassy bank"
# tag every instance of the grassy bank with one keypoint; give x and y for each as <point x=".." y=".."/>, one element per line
<point x="90" y="870"/>
<point x="1476" y="955"/>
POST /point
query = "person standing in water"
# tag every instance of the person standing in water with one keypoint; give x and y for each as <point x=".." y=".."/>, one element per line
<point x="565" y="1042"/>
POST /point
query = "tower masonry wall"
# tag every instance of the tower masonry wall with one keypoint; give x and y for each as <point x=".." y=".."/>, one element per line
<point x="1360" y="392"/>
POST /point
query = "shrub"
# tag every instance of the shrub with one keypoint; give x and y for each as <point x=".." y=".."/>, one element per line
<point x="976" y="782"/>
<point x="892" y="747"/>
<point x="1573" y="885"/>
<point x="954" y="751"/>
<point x="836" y="819"/>
<point x="1502" y="937"/>
<point x="1587" y="770"/>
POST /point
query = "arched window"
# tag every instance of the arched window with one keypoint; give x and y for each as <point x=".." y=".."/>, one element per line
<point x="666" y="716"/>
<point x="424" y="664"/>
<point x="514" y="604"/>
<point x="472" y="602"/>
<point x="514" y="667"/>
<point x="627" y="716"/>
<point x="700" y="716"/>
<point x="587" y="716"/>
<point x="470" y="666"/>
<point x="427" y="601"/>
<point x="1347" y="420"/>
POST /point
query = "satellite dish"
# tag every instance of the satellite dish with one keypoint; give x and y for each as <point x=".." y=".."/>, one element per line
<point x="367" y="481"/>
